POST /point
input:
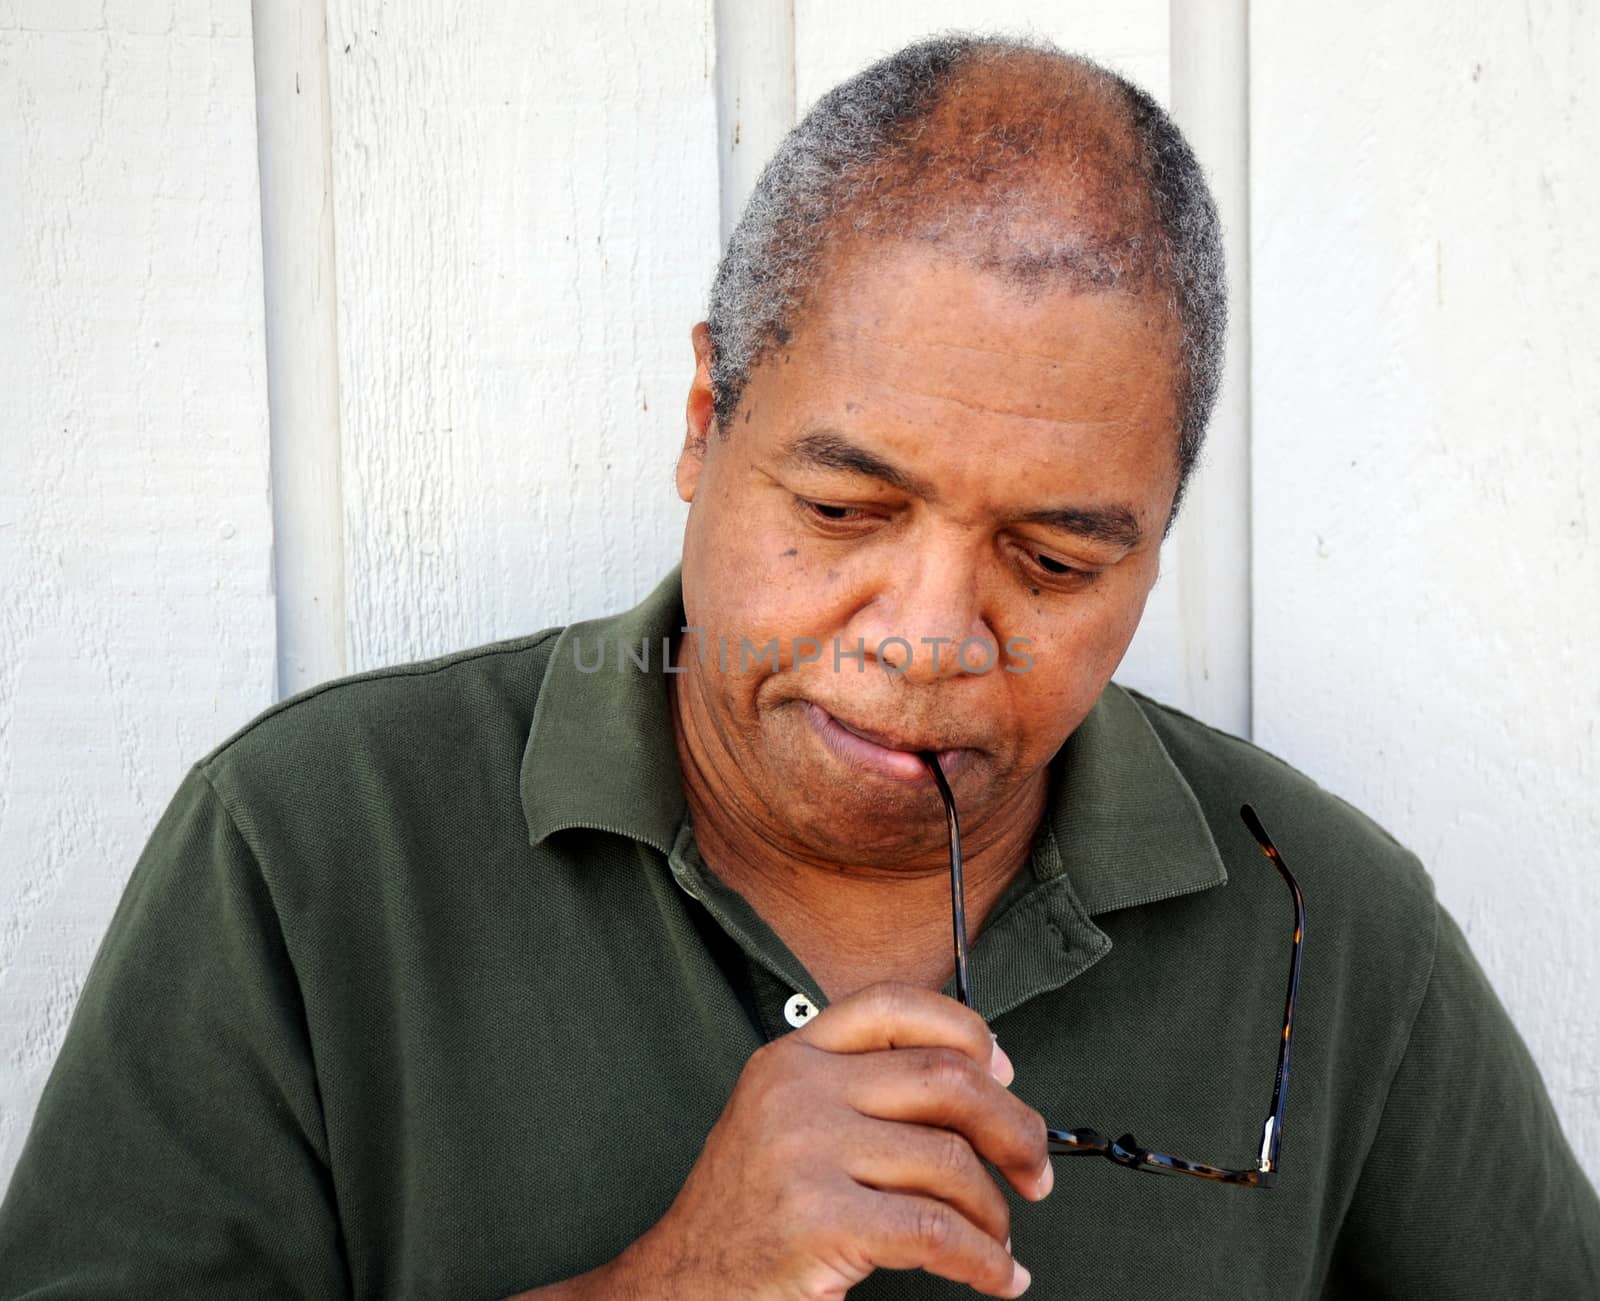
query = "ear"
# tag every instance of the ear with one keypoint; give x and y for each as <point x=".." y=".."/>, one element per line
<point x="700" y="412"/>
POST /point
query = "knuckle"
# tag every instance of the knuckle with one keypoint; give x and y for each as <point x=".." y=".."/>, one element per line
<point x="933" y="1225"/>
<point x="1012" y="1144"/>
<point x="774" y="1087"/>
<point x="774" y="1064"/>
<point x="950" y="1073"/>
<point x="976" y="1039"/>
<point x="758" y="1066"/>
<point x="886" y="1000"/>
<point x="995" y="1268"/>
<point x="1030" y="1140"/>
<point x="1002" y="1217"/>
<point x="952" y="1155"/>
<point x="786" y="1148"/>
<point x="802" y="1207"/>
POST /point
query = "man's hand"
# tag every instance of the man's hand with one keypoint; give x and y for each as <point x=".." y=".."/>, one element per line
<point x="851" y="1145"/>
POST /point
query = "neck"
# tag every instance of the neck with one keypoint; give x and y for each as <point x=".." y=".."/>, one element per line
<point x="850" y="923"/>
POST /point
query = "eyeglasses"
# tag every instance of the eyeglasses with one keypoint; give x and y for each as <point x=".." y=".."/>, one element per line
<point x="1125" y="1151"/>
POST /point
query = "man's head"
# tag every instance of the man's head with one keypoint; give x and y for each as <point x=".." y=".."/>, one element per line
<point x="1039" y="166"/>
<point x="942" y="405"/>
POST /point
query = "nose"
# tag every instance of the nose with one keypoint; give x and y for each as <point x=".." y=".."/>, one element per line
<point x="925" y="620"/>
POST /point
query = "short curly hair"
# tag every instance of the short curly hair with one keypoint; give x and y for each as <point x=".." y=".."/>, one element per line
<point x="1039" y="165"/>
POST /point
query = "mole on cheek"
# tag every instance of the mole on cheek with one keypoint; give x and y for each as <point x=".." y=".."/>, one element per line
<point x="792" y="551"/>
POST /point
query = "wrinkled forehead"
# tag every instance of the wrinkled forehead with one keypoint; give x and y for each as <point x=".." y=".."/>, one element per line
<point x="913" y="349"/>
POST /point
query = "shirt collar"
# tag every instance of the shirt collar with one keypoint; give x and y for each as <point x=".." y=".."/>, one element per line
<point x="1121" y="823"/>
<point x="1127" y="826"/>
<point x="601" y="752"/>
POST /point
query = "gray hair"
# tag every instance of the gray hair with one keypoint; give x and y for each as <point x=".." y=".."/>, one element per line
<point x="900" y="152"/>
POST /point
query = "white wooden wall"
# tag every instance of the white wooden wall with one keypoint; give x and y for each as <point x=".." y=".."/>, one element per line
<point x="351" y="332"/>
<point x="136" y="622"/>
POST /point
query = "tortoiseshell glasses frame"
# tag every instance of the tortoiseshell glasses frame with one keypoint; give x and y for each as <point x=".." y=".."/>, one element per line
<point x="1126" y="1151"/>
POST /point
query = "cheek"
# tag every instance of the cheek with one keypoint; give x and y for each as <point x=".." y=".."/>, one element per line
<point x="1079" y="652"/>
<point x="735" y="556"/>
<point x="748" y="597"/>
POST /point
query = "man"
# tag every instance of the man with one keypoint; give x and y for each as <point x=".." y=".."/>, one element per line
<point x="616" y="961"/>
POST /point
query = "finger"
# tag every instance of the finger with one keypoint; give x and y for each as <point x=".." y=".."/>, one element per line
<point x="910" y="1232"/>
<point x="943" y="1089"/>
<point x="925" y="1161"/>
<point x="891" y="1015"/>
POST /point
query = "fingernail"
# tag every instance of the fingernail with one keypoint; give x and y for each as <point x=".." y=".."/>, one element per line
<point x="1020" y="1278"/>
<point x="1047" y="1180"/>
<point x="1008" y="1246"/>
<point x="1000" y="1065"/>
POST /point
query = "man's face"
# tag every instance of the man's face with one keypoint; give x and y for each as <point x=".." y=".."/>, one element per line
<point x="932" y="454"/>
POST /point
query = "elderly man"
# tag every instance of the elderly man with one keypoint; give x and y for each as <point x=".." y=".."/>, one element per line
<point x="617" y="961"/>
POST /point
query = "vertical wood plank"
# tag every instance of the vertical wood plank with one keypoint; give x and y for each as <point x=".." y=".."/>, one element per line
<point x="527" y="209"/>
<point x="835" y="38"/>
<point x="1195" y="643"/>
<point x="136" y="625"/>
<point x="294" y="135"/>
<point x="755" y="94"/>
<point x="1426" y="395"/>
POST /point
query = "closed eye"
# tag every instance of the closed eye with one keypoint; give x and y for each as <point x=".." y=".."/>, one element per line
<point x="1051" y="568"/>
<point x="823" y="513"/>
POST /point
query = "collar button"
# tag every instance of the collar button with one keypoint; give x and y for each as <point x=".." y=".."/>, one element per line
<point x="799" y="1010"/>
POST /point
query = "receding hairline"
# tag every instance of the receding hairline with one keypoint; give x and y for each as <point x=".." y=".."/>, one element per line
<point x="1024" y="164"/>
<point x="854" y="250"/>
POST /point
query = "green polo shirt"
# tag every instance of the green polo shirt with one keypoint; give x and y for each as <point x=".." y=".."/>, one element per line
<point x="421" y="989"/>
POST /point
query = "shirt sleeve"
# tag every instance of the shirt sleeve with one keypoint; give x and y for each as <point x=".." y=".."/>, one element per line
<point x="1470" y="1188"/>
<point x="178" y="1148"/>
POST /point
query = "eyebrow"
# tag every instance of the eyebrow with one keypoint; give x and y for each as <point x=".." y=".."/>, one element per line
<point x="829" y="451"/>
<point x="1115" y="524"/>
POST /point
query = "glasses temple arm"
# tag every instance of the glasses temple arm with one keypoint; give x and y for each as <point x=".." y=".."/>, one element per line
<point x="958" y="905"/>
<point x="1272" y="1130"/>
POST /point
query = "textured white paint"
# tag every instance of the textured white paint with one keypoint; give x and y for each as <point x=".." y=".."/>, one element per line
<point x="755" y="94"/>
<point x="136" y="621"/>
<point x="834" y="38"/>
<point x="527" y="216"/>
<point x="1193" y="647"/>
<point x="1427" y="472"/>
<point x="294" y="128"/>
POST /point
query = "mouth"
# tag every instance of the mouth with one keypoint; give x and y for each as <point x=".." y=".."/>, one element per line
<point x="897" y="757"/>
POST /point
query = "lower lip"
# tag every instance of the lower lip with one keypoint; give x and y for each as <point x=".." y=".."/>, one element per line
<point x="858" y="752"/>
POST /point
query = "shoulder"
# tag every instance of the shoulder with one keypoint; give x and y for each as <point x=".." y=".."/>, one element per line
<point x="383" y="740"/>
<point x="499" y="674"/>
<point x="1373" y="926"/>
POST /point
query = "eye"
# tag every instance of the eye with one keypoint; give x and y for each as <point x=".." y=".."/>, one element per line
<point x="1059" y="572"/>
<point x="822" y="513"/>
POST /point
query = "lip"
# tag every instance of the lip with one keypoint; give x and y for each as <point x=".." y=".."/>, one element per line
<point x="872" y="752"/>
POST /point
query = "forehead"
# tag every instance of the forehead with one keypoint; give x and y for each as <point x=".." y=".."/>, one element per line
<point x="906" y="320"/>
<point x="907" y="351"/>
